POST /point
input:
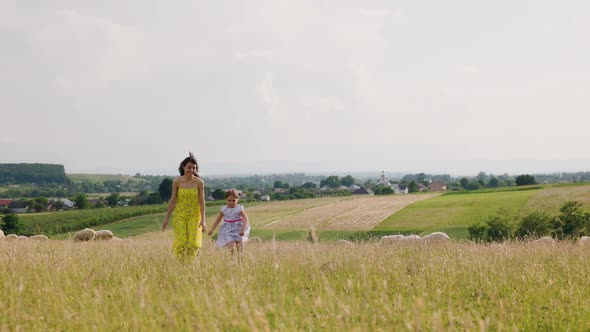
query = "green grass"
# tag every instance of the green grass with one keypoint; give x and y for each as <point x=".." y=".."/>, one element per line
<point x="294" y="286"/>
<point x="103" y="177"/>
<point x="452" y="214"/>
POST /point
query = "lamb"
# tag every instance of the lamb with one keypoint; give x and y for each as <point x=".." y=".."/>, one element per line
<point x="104" y="235"/>
<point x="585" y="239"/>
<point x="346" y="242"/>
<point x="1" y="234"/>
<point x="86" y="234"/>
<point x="412" y="237"/>
<point x="391" y="238"/>
<point x="545" y="240"/>
<point x="39" y="237"/>
<point x="11" y="237"/>
<point x="22" y="237"/>
<point x="437" y="236"/>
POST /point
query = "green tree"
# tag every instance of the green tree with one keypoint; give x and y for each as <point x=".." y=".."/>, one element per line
<point x="347" y="181"/>
<point x="525" y="179"/>
<point x="412" y="187"/>
<point x="153" y="198"/>
<point x="535" y="224"/>
<point x="464" y="182"/>
<point x="58" y="204"/>
<point x="572" y="221"/>
<point x="493" y="182"/>
<point x="331" y="181"/>
<point x="81" y="201"/>
<point x="218" y="194"/>
<point x="11" y="224"/>
<point x="309" y="185"/>
<point x="113" y="198"/>
<point x="473" y="185"/>
<point x="477" y="232"/>
<point x="165" y="189"/>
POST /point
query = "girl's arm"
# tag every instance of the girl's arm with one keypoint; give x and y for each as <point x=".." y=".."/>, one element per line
<point x="201" y="186"/>
<point x="246" y="222"/>
<point x="171" y="203"/>
<point x="217" y="221"/>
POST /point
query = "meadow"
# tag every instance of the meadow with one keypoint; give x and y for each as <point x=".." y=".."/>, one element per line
<point x="344" y="217"/>
<point x="296" y="285"/>
<point x="293" y="286"/>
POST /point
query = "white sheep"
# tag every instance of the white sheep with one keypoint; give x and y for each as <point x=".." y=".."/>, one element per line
<point x="585" y="239"/>
<point x="104" y="235"/>
<point x="412" y="237"/>
<point x="346" y="242"/>
<point x="391" y="238"/>
<point x="1" y="234"/>
<point x="22" y="237"/>
<point x="545" y="240"/>
<point x="39" y="237"/>
<point x="10" y="237"/>
<point x="437" y="236"/>
<point x="86" y="234"/>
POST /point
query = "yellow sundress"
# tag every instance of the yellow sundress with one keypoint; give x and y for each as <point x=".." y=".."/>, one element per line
<point x="188" y="235"/>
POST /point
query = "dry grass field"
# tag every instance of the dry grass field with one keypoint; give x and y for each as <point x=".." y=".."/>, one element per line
<point x="294" y="286"/>
<point x="358" y="213"/>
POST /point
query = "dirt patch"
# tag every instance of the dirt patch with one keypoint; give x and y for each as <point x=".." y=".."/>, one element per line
<point x="362" y="213"/>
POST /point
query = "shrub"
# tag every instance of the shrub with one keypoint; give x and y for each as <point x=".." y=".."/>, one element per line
<point x="572" y="221"/>
<point x="477" y="232"/>
<point x="535" y="224"/>
<point x="11" y="224"/>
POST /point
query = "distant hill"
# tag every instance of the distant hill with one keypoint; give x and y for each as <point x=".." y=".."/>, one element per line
<point x="32" y="173"/>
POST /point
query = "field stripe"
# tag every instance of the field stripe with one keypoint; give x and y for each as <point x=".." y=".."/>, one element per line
<point x="359" y="213"/>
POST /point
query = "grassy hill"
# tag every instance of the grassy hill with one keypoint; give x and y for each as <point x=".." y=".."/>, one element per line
<point x="103" y="177"/>
<point x="451" y="213"/>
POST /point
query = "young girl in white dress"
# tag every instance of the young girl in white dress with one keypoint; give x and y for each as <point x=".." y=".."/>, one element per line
<point x="235" y="227"/>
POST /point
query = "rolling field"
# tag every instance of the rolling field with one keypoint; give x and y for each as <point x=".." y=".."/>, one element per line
<point x="346" y="217"/>
<point x="103" y="177"/>
<point x="358" y="213"/>
<point x="294" y="286"/>
<point x="453" y="213"/>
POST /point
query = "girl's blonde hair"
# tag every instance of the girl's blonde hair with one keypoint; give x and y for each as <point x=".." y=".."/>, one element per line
<point x="232" y="192"/>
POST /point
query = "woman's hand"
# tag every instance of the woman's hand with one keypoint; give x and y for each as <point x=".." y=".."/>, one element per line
<point x="164" y="225"/>
<point x="203" y="227"/>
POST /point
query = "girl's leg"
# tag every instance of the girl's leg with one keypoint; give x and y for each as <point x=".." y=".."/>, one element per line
<point x="239" y="246"/>
<point x="231" y="246"/>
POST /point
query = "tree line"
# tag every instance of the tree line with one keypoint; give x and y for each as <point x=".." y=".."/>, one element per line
<point x="33" y="173"/>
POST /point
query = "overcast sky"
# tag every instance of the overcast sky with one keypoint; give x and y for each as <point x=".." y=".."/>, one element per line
<point x="315" y="86"/>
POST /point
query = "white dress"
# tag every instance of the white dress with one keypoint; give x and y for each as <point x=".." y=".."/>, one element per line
<point x="232" y="224"/>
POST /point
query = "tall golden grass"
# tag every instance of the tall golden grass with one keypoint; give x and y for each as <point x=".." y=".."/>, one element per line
<point x="292" y="286"/>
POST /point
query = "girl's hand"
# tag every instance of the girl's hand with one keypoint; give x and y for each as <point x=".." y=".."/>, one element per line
<point x="210" y="232"/>
<point x="241" y="232"/>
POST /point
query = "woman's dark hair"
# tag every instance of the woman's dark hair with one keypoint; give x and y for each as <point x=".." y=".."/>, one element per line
<point x="189" y="159"/>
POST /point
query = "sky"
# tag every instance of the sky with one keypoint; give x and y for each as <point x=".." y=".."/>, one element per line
<point x="277" y="86"/>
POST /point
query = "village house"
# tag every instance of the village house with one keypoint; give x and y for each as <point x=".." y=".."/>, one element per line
<point x="399" y="188"/>
<point x="4" y="203"/>
<point x="437" y="186"/>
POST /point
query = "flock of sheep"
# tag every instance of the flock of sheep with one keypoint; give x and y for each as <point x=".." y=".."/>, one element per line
<point x="441" y="237"/>
<point x="86" y="234"/>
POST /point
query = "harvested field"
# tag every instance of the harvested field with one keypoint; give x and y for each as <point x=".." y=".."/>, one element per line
<point x="359" y="213"/>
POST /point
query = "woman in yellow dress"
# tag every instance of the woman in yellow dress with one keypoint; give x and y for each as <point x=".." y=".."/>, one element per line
<point x="188" y="203"/>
